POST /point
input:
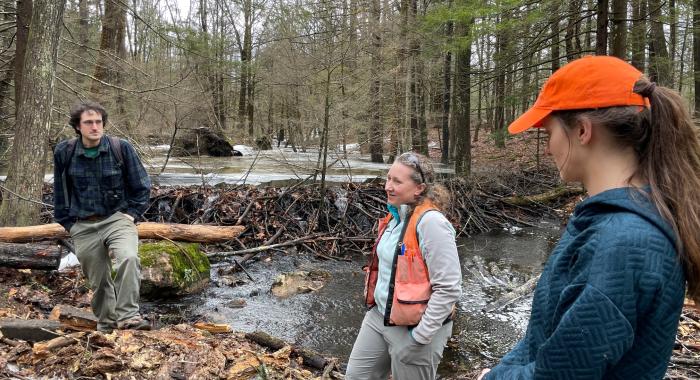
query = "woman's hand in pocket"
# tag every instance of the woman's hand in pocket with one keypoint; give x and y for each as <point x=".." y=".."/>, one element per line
<point x="483" y="373"/>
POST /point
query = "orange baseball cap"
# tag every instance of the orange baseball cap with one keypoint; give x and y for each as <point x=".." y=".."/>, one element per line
<point x="588" y="82"/>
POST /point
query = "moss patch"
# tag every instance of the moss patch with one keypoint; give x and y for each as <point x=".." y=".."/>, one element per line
<point x="174" y="267"/>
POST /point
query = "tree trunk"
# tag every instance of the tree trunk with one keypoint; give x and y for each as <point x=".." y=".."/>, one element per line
<point x="245" y="65"/>
<point x="618" y="46"/>
<point x="24" y="18"/>
<point x="555" y="29"/>
<point x="111" y="45"/>
<point x="696" y="56"/>
<point x="499" y="93"/>
<point x="673" y="38"/>
<point x="601" y="35"/>
<point x="573" y="42"/>
<point x="447" y="90"/>
<point x="659" y="64"/>
<point x="25" y="176"/>
<point x="83" y="39"/>
<point x="420" y="104"/>
<point x="638" y="34"/>
<point x="462" y="120"/>
<point x="375" y="126"/>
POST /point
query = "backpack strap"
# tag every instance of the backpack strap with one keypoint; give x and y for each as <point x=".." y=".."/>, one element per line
<point x="66" y="157"/>
<point x="67" y="153"/>
<point x="115" y="145"/>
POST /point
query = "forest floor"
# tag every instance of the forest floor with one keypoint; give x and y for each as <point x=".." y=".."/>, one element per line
<point x="184" y="351"/>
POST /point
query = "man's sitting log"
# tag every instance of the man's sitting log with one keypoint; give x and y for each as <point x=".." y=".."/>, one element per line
<point x="180" y="232"/>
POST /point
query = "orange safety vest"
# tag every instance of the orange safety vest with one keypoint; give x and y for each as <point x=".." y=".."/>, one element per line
<point x="409" y="284"/>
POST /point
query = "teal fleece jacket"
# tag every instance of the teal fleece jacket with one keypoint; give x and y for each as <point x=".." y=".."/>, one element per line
<point x="609" y="299"/>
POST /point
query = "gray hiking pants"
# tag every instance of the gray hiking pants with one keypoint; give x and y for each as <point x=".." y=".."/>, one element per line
<point x="380" y="350"/>
<point x="112" y="300"/>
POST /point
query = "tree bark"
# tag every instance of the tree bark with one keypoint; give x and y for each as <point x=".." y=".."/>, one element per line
<point x="601" y="35"/>
<point x="245" y="51"/>
<point x="573" y="27"/>
<point x="24" y="18"/>
<point x="147" y="230"/>
<point x="28" y="164"/>
<point x="659" y="63"/>
<point x="638" y="34"/>
<point x="696" y="56"/>
<point x="447" y="90"/>
<point x="111" y="47"/>
<point x="499" y="95"/>
<point x="375" y="104"/>
<point x="555" y="31"/>
<point x="44" y="256"/>
<point x="462" y="120"/>
<point x="618" y="46"/>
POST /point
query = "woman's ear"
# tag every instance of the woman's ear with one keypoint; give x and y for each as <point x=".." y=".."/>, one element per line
<point x="420" y="189"/>
<point x="584" y="130"/>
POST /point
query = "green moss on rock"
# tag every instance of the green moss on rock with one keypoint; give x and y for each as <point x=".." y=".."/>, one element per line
<point x="173" y="268"/>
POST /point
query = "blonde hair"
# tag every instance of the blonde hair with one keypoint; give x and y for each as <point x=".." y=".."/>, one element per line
<point x="424" y="173"/>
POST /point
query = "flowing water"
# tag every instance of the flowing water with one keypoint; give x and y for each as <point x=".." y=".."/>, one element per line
<point x="328" y="320"/>
<point x="278" y="166"/>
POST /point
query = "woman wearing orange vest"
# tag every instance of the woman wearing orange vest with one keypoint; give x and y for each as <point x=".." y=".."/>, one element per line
<point x="413" y="280"/>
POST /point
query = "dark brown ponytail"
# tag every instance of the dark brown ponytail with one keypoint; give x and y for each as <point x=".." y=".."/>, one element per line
<point x="670" y="161"/>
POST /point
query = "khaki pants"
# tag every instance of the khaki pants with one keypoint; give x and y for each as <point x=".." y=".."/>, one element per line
<point x="113" y="300"/>
<point x="380" y="350"/>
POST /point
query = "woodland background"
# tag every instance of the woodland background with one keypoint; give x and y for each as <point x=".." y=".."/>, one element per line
<point x="390" y="75"/>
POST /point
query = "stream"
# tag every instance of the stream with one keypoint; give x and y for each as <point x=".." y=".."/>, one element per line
<point x="328" y="320"/>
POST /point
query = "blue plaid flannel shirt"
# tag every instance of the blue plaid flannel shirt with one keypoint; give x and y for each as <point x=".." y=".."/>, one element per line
<point x="98" y="186"/>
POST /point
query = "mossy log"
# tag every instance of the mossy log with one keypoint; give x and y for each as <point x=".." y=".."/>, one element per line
<point x="182" y="232"/>
<point x="546" y="197"/>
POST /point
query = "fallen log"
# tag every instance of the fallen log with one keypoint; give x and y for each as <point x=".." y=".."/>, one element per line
<point x="44" y="256"/>
<point x="546" y="197"/>
<point x="214" y="328"/>
<point x="43" y="349"/>
<point x="517" y="293"/>
<point x="310" y="358"/>
<point x="198" y="233"/>
<point x="31" y="330"/>
<point x="74" y="318"/>
<point x="316" y="237"/>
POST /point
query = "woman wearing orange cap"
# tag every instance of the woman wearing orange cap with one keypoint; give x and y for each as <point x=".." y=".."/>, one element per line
<point x="609" y="299"/>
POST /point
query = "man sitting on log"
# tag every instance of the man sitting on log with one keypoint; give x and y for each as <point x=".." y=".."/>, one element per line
<point x="100" y="189"/>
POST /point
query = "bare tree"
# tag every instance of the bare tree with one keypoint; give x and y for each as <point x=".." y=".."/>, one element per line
<point x="601" y="35"/>
<point x="618" y="44"/>
<point x="28" y="164"/>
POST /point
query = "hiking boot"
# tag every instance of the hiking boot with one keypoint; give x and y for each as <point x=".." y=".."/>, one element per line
<point x="134" y="323"/>
<point x="106" y="328"/>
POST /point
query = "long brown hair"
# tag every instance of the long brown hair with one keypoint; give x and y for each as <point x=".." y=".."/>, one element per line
<point x="666" y="144"/>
